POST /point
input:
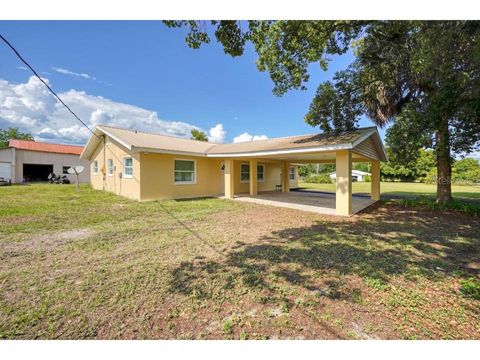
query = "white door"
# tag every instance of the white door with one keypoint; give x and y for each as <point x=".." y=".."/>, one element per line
<point x="6" y="170"/>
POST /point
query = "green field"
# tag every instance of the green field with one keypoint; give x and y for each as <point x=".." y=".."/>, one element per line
<point x="399" y="189"/>
<point x="92" y="265"/>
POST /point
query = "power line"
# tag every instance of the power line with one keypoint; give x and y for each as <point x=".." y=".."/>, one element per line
<point x="44" y="83"/>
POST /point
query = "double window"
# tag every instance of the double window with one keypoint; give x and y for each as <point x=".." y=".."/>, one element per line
<point x="245" y="173"/>
<point x="110" y="167"/>
<point x="291" y="173"/>
<point x="127" y="167"/>
<point x="184" y="172"/>
<point x="95" y="167"/>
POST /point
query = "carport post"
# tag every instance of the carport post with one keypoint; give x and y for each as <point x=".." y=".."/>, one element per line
<point x="253" y="177"/>
<point x="285" y="177"/>
<point x="343" y="200"/>
<point x="229" y="179"/>
<point x="375" y="180"/>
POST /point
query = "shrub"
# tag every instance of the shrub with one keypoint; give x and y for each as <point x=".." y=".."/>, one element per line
<point x="468" y="208"/>
<point x="319" y="179"/>
<point x="471" y="288"/>
<point x="367" y="178"/>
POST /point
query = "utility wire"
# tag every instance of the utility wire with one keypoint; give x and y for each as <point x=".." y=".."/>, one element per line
<point x="44" y="83"/>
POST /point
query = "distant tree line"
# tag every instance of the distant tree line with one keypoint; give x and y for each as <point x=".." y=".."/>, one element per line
<point x="421" y="169"/>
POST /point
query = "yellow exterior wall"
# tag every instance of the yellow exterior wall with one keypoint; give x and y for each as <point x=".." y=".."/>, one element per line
<point x="272" y="177"/>
<point x="128" y="187"/>
<point x="158" y="177"/>
<point x="157" y="174"/>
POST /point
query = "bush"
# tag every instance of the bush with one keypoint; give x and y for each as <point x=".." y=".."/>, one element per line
<point x="319" y="179"/>
<point x="468" y="208"/>
<point x="367" y="178"/>
<point x="471" y="288"/>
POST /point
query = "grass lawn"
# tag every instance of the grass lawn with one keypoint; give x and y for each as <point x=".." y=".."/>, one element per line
<point x="399" y="189"/>
<point x="94" y="265"/>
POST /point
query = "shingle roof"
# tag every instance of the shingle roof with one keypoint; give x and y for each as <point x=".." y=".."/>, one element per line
<point x="144" y="141"/>
<point x="45" y="147"/>
<point x="291" y="142"/>
<point x="140" y="139"/>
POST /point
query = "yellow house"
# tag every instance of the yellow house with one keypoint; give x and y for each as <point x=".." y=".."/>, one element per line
<point x="148" y="166"/>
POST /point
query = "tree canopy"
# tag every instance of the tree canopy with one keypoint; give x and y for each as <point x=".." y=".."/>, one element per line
<point x="198" y="135"/>
<point x="12" y="133"/>
<point x="424" y="75"/>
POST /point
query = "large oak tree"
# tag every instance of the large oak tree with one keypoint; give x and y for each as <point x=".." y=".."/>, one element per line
<point x="426" y="73"/>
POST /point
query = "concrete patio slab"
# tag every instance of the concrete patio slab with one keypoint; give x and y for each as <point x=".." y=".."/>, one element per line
<point x="320" y="203"/>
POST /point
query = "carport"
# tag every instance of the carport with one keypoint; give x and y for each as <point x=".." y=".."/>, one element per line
<point x="360" y="145"/>
<point x="316" y="202"/>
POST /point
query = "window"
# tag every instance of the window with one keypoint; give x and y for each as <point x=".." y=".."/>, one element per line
<point x="95" y="167"/>
<point x="127" y="167"/>
<point x="291" y="173"/>
<point x="260" y="173"/>
<point x="110" y="167"/>
<point x="65" y="169"/>
<point x="244" y="172"/>
<point x="184" y="171"/>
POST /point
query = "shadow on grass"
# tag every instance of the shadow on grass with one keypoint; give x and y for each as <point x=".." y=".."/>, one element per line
<point x="384" y="242"/>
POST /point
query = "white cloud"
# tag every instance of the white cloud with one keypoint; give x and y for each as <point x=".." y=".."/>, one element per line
<point x="247" y="137"/>
<point x="32" y="108"/>
<point x="69" y="72"/>
<point x="21" y="67"/>
<point x="217" y="134"/>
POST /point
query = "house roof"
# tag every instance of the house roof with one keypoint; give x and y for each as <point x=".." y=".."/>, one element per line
<point x="139" y="141"/>
<point x="45" y="147"/>
<point x="292" y="142"/>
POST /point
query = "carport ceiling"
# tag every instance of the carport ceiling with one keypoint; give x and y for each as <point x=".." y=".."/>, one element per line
<point x="314" y="157"/>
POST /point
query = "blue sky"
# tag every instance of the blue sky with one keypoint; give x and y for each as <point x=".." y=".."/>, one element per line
<point x="150" y="68"/>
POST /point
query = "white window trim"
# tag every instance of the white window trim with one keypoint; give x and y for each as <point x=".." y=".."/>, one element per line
<point x="123" y="174"/>
<point x="113" y="167"/>
<point x="263" y="167"/>
<point x="95" y="167"/>
<point x="194" y="182"/>
<point x="244" y="181"/>
<point x="294" y="173"/>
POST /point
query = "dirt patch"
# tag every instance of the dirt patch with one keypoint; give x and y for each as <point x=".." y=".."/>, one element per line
<point x="48" y="241"/>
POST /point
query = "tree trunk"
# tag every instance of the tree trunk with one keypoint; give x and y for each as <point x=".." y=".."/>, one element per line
<point x="444" y="166"/>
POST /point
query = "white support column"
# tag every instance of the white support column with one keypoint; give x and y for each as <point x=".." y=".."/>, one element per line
<point x="253" y="178"/>
<point x="285" y="176"/>
<point x="375" y="180"/>
<point x="229" y="179"/>
<point x="343" y="200"/>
